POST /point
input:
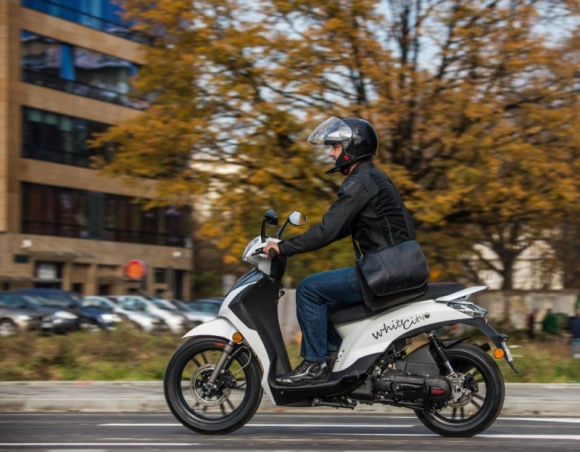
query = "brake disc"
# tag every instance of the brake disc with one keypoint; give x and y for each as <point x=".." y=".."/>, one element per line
<point x="203" y="392"/>
<point x="462" y="392"/>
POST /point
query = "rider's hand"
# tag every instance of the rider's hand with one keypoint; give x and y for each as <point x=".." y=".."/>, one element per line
<point x="271" y="246"/>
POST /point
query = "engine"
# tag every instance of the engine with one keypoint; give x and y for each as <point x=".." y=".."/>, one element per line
<point x="405" y="390"/>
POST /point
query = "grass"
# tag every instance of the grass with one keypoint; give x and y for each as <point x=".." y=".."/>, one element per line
<point x="129" y="355"/>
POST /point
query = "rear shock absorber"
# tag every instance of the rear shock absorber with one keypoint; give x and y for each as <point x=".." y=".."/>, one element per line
<point x="438" y="353"/>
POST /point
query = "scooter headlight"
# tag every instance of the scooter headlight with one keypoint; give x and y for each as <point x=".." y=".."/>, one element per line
<point x="468" y="308"/>
<point x="249" y="247"/>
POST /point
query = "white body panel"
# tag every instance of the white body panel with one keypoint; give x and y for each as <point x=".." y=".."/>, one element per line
<point x="465" y="293"/>
<point x="374" y="334"/>
<point x="216" y="327"/>
<point x="371" y="335"/>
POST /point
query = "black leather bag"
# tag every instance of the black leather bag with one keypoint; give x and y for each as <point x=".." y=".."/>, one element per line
<point x="393" y="275"/>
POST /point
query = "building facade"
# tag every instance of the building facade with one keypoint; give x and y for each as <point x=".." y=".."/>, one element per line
<point x="64" y="75"/>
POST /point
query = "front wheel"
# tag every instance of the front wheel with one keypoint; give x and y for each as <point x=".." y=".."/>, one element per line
<point x="482" y="399"/>
<point x="223" y="408"/>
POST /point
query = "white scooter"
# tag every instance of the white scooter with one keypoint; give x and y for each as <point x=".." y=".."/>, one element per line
<point x="215" y="380"/>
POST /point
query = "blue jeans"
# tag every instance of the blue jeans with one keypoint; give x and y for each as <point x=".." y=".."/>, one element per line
<point x="315" y="295"/>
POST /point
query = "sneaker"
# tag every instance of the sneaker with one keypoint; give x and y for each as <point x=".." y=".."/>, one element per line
<point x="306" y="373"/>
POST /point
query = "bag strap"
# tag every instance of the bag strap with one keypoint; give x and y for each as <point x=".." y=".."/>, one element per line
<point x="408" y="220"/>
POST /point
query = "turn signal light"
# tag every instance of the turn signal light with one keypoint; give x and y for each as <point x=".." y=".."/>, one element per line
<point x="237" y="337"/>
<point x="498" y="353"/>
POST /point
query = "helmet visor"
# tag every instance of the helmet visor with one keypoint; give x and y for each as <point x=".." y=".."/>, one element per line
<point x="330" y="131"/>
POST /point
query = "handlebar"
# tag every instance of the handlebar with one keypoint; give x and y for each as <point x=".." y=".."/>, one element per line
<point x="271" y="252"/>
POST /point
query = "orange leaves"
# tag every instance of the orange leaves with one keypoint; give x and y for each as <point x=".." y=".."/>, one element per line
<point x="476" y="113"/>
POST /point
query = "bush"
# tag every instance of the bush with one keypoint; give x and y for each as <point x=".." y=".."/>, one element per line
<point x="127" y="354"/>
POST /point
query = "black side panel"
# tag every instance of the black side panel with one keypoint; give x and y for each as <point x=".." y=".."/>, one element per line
<point x="257" y="307"/>
<point x="420" y="361"/>
<point x="340" y="383"/>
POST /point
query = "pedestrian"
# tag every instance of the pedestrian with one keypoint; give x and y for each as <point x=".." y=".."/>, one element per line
<point x="575" y="331"/>
<point x="532" y="324"/>
<point x="549" y="323"/>
<point x="369" y="207"/>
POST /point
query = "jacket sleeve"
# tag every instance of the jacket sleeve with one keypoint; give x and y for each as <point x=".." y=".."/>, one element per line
<point x="335" y="224"/>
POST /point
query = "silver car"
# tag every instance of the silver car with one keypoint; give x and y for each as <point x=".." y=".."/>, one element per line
<point x="14" y="321"/>
<point x="60" y="321"/>
<point x="194" y="316"/>
<point x="176" y="322"/>
<point x="150" y="323"/>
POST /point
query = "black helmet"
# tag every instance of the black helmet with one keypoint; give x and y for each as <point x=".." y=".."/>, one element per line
<point x="357" y="137"/>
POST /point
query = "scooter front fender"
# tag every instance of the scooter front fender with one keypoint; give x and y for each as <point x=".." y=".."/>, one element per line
<point x="219" y="327"/>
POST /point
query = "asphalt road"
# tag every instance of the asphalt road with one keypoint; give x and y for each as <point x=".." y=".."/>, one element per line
<point x="278" y="431"/>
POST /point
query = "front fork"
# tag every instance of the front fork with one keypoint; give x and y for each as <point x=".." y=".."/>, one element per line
<point x="229" y="353"/>
<point x="228" y="349"/>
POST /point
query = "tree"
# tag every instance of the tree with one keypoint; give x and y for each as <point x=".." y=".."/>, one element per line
<point x="471" y="103"/>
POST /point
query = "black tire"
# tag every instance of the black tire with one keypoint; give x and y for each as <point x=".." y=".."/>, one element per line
<point x="481" y="410"/>
<point x="231" y="405"/>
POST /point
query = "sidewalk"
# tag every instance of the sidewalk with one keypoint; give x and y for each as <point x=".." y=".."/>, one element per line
<point x="129" y="396"/>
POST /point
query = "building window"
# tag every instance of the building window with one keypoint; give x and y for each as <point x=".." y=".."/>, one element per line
<point x="101" y="15"/>
<point x="57" y="211"/>
<point x="126" y="221"/>
<point x="65" y="212"/>
<point x="76" y="70"/>
<point x="48" y="271"/>
<point x="60" y="139"/>
<point x="159" y="275"/>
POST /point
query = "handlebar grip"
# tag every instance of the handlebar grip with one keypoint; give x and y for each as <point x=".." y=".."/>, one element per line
<point x="272" y="252"/>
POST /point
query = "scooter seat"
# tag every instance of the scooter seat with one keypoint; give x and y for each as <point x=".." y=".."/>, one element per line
<point x="347" y="312"/>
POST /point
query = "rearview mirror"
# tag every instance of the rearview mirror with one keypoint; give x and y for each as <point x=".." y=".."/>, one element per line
<point x="271" y="218"/>
<point x="297" y="218"/>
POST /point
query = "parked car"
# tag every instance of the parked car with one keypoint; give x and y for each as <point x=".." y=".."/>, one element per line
<point x="91" y="318"/>
<point x="194" y="316"/>
<point x="176" y="322"/>
<point x="14" y="321"/>
<point x="150" y="323"/>
<point x="210" y="305"/>
<point x="59" y="321"/>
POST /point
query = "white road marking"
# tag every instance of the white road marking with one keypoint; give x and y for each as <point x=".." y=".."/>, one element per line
<point x="385" y="425"/>
<point x="99" y="444"/>
<point x="277" y="425"/>
<point x="564" y="420"/>
<point x="483" y="435"/>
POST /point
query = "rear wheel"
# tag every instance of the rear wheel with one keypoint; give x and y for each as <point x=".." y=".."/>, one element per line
<point x="482" y="399"/>
<point x="223" y="408"/>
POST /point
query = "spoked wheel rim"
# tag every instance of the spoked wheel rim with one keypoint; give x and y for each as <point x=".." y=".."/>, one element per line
<point x="225" y="398"/>
<point x="477" y="401"/>
<point x="470" y="406"/>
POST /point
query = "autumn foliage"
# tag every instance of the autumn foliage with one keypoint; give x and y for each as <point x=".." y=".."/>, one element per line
<point x="475" y="103"/>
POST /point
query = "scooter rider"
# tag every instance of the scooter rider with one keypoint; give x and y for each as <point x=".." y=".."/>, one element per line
<point x="364" y="200"/>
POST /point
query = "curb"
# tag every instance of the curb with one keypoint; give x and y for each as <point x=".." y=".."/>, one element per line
<point x="131" y="396"/>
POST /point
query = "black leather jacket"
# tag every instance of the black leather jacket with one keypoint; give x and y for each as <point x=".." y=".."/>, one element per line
<point x="367" y="206"/>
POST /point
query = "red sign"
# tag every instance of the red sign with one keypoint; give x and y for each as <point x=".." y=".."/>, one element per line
<point x="135" y="269"/>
